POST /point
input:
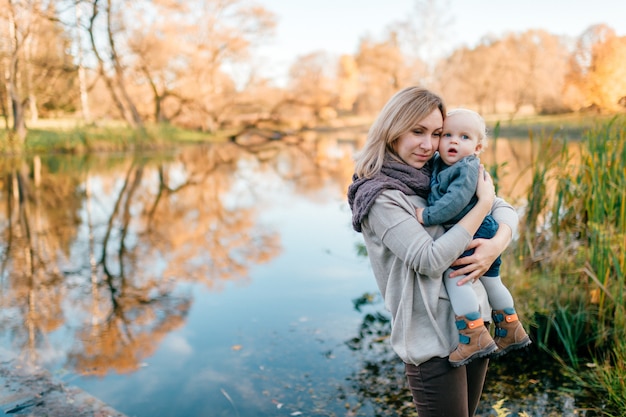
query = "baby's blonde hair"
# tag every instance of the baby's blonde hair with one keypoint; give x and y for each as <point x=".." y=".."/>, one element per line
<point x="480" y="124"/>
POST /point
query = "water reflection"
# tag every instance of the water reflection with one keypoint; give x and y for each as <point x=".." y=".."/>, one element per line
<point x="219" y="274"/>
<point x="112" y="239"/>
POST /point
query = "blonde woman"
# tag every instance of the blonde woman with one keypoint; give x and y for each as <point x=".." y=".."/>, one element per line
<point x="391" y="180"/>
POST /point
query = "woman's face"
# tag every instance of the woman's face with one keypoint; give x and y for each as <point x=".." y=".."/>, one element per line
<point x="418" y="145"/>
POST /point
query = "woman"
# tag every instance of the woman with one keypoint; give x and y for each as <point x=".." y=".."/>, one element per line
<point x="392" y="179"/>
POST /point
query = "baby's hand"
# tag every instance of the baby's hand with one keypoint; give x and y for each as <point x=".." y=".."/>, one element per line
<point x="419" y="212"/>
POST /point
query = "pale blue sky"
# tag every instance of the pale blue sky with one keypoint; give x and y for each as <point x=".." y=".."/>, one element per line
<point x="337" y="25"/>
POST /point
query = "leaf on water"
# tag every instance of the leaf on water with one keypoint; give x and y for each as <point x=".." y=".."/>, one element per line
<point x="236" y="347"/>
<point x="230" y="400"/>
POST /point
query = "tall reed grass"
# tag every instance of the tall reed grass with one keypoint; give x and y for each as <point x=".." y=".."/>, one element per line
<point x="573" y="240"/>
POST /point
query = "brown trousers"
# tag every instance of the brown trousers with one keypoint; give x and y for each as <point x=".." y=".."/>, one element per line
<point x="439" y="390"/>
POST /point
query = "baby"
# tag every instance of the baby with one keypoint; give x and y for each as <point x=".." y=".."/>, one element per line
<point x="452" y="195"/>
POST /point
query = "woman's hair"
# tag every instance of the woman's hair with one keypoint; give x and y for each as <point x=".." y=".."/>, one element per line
<point x="401" y="114"/>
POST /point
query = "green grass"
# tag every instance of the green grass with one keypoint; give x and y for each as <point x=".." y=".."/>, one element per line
<point x="65" y="137"/>
<point x="571" y="125"/>
<point x="571" y="249"/>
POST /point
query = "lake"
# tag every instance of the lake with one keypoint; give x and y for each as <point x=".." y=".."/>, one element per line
<point x="220" y="280"/>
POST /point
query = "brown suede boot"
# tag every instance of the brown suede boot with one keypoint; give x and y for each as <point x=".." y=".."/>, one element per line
<point x="509" y="333"/>
<point x="474" y="341"/>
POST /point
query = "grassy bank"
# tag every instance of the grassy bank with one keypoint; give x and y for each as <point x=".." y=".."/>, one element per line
<point x="572" y="125"/>
<point x="74" y="136"/>
<point x="64" y="136"/>
<point x="572" y="259"/>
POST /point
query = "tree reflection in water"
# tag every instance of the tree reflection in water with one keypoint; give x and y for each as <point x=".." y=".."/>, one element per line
<point x="103" y="250"/>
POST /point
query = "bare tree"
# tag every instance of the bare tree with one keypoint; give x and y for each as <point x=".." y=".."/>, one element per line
<point x="424" y="37"/>
<point x="115" y="79"/>
<point x="82" y="80"/>
<point x="182" y="53"/>
<point x="18" y="30"/>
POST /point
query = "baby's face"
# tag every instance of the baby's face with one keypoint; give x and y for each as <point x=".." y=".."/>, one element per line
<point x="460" y="138"/>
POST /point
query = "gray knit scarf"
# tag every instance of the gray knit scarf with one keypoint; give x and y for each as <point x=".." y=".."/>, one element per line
<point x="394" y="176"/>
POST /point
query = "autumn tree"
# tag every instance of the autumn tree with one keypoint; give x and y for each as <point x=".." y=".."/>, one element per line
<point x="155" y="41"/>
<point x="534" y="67"/>
<point x="312" y="84"/>
<point x="184" y="52"/>
<point x="347" y="83"/>
<point x="35" y="62"/>
<point x="597" y="75"/>
<point x="469" y="77"/>
<point x="383" y="71"/>
<point x="51" y="72"/>
<point x="110" y="57"/>
<point x="80" y="62"/>
<point x="17" y="19"/>
<point x="505" y="74"/>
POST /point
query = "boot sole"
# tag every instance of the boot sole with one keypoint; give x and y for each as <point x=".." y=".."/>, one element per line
<point x="519" y="345"/>
<point x="486" y="352"/>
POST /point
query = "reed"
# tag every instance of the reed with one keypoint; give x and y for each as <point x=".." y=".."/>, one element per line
<point x="542" y="244"/>
<point x="574" y="233"/>
<point x="604" y="179"/>
<point x="609" y="379"/>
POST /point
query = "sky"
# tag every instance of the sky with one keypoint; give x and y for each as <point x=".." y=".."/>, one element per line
<point x="336" y="26"/>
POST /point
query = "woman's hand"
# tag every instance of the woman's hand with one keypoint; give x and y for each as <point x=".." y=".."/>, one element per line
<point x="485" y="252"/>
<point x="485" y="190"/>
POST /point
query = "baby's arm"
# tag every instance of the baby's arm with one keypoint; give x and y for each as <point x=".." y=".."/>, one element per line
<point x="458" y="187"/>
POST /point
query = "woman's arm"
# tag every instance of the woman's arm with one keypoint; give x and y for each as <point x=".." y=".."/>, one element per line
<point x="391" y="222"/>
<point x="487" y="250"/>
